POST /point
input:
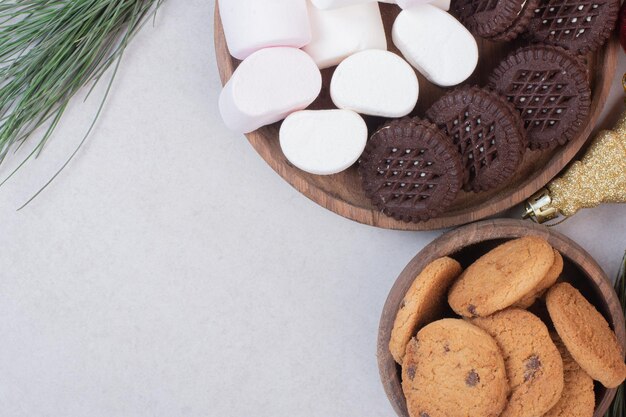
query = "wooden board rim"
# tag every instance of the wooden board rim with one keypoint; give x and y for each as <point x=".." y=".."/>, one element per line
<point x="371" y="216"/>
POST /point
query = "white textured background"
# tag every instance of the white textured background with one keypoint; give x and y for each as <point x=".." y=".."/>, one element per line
<point x="169" y="272"/>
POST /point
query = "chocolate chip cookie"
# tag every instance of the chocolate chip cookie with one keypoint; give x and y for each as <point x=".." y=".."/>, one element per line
<point x="454" y="369"/>
<point x="423" y="302"/>
<point x="501" y="277"/>
<point x="578" y="398"/>
<point x="548" y="280"/>
<point x="533" y="363"/>
<point x="586" y="334"/>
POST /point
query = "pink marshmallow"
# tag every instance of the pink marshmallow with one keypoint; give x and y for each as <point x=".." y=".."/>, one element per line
<point x="268" y="86"/>
<point x="251" y="25"/>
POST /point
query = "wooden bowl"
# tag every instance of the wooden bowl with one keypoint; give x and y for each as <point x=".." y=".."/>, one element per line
<point x="468" y="243"/>
<point x="343" y="194"/>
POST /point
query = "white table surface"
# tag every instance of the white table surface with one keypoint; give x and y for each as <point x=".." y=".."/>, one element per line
<point x="170" y="272"/>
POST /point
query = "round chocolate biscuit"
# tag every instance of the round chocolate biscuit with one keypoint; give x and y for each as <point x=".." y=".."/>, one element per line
<point x="549" y="88"/>
<point x="411" y="170"/>
<point x="487" y="18"/>
<point x="488" y="132"/>
<point x="520" y="24"/>
<point x="578" y="25"/>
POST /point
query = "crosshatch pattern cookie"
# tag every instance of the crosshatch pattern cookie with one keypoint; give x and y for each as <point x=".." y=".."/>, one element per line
<point x="487" y="18"/>
<point x="549" y="88"/>
<point x="501" y="277"/>
<point x="578" y="398"/>
<point x="410" y="170"/>
<point x="550" y="278"/>
<point x="579" y="25"/>
<point x="533" y="363"/>
<point x="454" y="369"/>
<point x="487" y="131"/>
<point x="586" y="334"/>
<point x="521" y="22"/>
<point x="423" y="302"/>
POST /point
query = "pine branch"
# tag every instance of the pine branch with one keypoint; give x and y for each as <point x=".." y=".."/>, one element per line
<point x="49" y="50"/>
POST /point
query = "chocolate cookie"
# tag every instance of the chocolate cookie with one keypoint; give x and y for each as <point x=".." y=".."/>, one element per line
<point x="533" y="363"/>
<point x="410" y="170"/>
<point x="578" y="398"/>
<point x="578" y="25"/>
<point x="520" y="24"/>
<point x="487" y="18"/>
<point x="586" y="334"/>
<point x="488" y="132"/>
<point x="423" y="302"/>
<point x="548" y="280"/>
<point x="501" y="277"/>
<point x="549" y="87"/>
<point x="454" y="369"/>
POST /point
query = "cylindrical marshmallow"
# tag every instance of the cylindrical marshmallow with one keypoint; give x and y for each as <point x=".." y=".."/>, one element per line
<point x="268" y="86"/>
<point x="335" y="4"/>
<point x="323" y="142"/>
<point x="435" y="43"/>
<point x="251" y="25"/>
<point x="339" y="33"/>
<point x="406" y="4"/>
<point x="376" y="83"/>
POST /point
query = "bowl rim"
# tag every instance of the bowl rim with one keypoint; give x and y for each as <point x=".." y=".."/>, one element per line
<point x="457" y="239"/>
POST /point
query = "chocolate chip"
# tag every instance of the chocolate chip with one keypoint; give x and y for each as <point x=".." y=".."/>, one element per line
<point x="472" y="379"/>
<point x="446" y="348"/>
<point x="533" y="364"/>
<point x="403" y="304"/>
<point x="424" y="414"/>
<point x="410" y="372"/>
<point x="472" y="310"/>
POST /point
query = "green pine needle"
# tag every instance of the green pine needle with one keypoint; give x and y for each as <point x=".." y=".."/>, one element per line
<point x="49" y="50"/>
<point x="618" y="409"/>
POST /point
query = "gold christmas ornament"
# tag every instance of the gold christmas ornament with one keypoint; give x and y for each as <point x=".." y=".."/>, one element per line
<point x="599" y="177"/>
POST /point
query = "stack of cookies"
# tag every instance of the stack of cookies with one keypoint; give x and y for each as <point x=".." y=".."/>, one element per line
<point x="499" y="359"/>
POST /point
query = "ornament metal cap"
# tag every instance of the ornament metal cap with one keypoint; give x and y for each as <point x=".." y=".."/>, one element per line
<point x="539" y="207"/>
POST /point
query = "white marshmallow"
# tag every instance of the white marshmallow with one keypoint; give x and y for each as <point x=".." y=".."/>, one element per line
<point x="339" y="33"/>
<point x="442" y="4"/>
<point x="436" y="44"/>
<point x="268" y="86"/>
<point x="323" y="142"/>
<point x="251" y="25"/>
<point x="335" y="4"/>
<point x="376" y="83"/>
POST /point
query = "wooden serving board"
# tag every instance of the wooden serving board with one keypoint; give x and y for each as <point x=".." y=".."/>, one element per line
<point x="343" y="194"/>
<point x="468" y="243"/>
